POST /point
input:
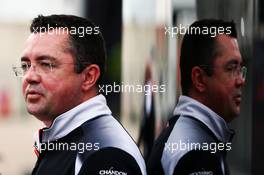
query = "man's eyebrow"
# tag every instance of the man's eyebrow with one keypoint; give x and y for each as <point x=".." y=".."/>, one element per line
<point x="24" y="58"/>
<point x="46" y="57"/>
<point x="233" y="62"/>
<point x="40" y="58"/>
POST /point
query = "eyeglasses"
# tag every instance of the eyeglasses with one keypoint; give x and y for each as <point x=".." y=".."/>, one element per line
<point x="41" y="67"/>
<point x="239" y="71"/>
<point x="234" y="71"/>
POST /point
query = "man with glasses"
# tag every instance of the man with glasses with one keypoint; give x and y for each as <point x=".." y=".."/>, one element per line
<point x="60" y="71"/>
<point x="212" y="74"/>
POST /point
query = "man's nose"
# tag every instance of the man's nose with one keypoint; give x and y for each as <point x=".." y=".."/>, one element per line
<point x="240" y="81"/>
<point x="32" y="76"/>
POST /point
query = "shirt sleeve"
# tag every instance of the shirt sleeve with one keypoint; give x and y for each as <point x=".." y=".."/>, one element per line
<point x="110" y="161"/>
<point x="199" y="163"/>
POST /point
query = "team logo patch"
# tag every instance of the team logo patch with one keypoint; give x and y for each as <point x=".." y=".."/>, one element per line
<point x="111" y="171"/>
<point x="202" y="173"/>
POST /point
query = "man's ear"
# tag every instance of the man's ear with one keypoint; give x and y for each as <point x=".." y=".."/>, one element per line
<point x="198" y="79"/>
<point x="90" y="76"/>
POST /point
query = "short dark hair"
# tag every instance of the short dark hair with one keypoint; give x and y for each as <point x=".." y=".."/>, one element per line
<point x="86" y="49"/>
<point x="200" y="48"/>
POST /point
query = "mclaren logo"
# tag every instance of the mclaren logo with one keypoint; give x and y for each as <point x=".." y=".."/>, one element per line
<point x="111" y="171"/>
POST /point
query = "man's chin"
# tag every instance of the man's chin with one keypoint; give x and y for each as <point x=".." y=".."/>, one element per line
<point x="34" y="110"/>
<point x="237" y="110"/>
<point x="235" y="113"/>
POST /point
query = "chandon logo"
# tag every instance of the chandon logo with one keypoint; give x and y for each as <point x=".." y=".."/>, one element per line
<point x="202" y="173"/>
<point x="111" y="172"/>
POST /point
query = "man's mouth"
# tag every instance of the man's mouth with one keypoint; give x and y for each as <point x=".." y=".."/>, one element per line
<point x="237" y="99"/>
<point x="33" y="94"/>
